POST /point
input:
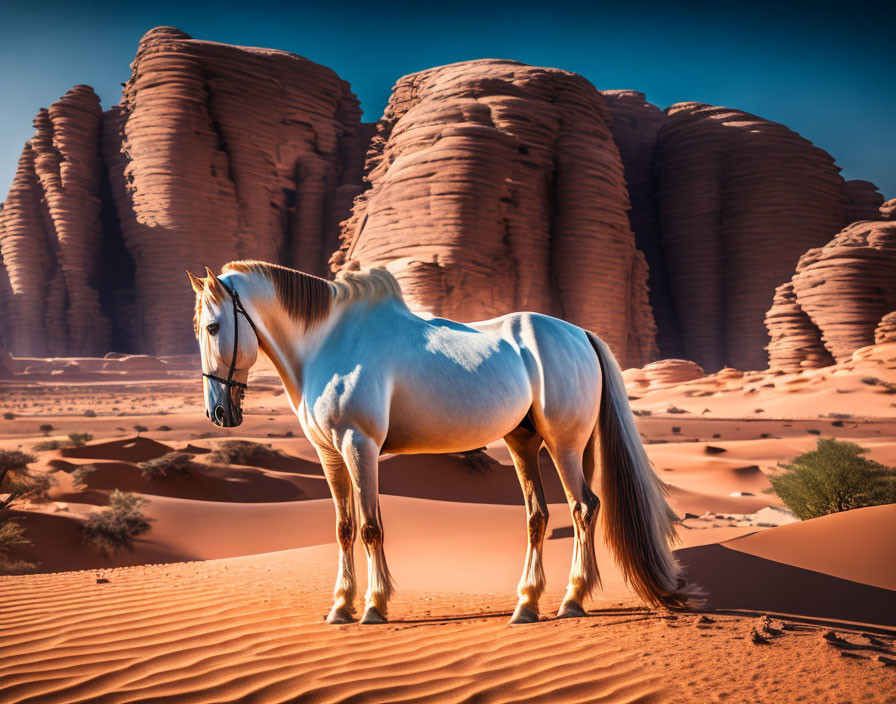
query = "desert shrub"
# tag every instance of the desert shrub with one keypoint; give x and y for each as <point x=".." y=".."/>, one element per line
<point x="12" y="536"/>
<point x="46" y="428"/>
<point x="9" y="416"/>
<point x="17" y="481"/>
<point x="140" y="429"/>
<point x="639" y="412"/>
<point x="172" y="463"/>
<point x="163" y="428"/>
<point x="79" y="475"/>
<point x="243" y="452"/>
<point x="79" y="439"/>
<point x="90" y="413"/>
<point x="73" y="440"/>
<point x="831" y="478"/>
<point x="886" y="386"/>
<point x="45" y="445"/>
<point x="115" y="528"/>
<point x="675" y="409"/>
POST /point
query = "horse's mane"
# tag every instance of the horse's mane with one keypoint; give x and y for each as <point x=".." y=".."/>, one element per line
<point x="305" y="297"/>
<point x="308" y="298"/>
<point x="372" y="285"/>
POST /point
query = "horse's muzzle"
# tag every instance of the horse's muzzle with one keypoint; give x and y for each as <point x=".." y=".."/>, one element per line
<point x="223" y="406"/>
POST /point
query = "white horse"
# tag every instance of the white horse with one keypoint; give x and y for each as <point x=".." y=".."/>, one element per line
<point x="367" y="376"/>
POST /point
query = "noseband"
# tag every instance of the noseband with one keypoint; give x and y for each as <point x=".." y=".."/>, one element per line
<point x="238" y="309"/>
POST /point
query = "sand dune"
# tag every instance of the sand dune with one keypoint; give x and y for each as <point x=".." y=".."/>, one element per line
<point x="222" y="599"/>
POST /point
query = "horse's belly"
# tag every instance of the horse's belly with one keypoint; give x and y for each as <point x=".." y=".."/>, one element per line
<point x="455" y="417"/>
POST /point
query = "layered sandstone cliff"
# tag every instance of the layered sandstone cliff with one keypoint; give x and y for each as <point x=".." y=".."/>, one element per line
<point x="50" y="235"/>
<point x="219" y="152"/>
<point x="635" y="124"/>
<point x="496" y="186"/>
<point x="841" y="294"/>
<point x="739" y="200"/>
<point x="885" y="331"/>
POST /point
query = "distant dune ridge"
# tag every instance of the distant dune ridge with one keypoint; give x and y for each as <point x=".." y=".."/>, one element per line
<point x="488" y="186"/>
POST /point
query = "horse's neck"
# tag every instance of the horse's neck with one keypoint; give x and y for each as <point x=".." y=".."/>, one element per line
<point x="283" y="340"/>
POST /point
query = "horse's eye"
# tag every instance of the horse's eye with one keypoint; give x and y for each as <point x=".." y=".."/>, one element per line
<point x="212" y="328"/>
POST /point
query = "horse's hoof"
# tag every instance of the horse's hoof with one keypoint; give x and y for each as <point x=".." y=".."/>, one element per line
<point x="340" y="614"/>
<point x="372" y="615"/>
<point x="571" y="609"/>
<point x="523" y="615"/>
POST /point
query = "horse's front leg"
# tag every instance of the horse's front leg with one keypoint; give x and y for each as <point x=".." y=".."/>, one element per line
<point x="361" y="455"/>
<point x="346" y="528"/>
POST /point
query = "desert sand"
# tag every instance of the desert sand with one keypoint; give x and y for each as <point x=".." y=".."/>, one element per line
<point x="223" y="599"/>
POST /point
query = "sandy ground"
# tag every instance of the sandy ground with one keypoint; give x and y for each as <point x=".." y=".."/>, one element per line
<point x="223" y="599"/>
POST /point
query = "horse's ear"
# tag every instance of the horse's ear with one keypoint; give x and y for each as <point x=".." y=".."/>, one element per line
<point x="197" y="283"/>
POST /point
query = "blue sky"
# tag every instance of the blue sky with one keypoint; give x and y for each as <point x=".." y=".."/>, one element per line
<point x="826" y="74"/>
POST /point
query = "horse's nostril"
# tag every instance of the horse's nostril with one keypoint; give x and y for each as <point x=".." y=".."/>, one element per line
<point x="219" y="413"/>
<point x="207" y="414"/>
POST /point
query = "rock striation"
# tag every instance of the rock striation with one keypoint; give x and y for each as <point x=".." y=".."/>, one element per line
<point x="491" y="186"/>
<point x="795" y="340"/>
<point x="838" y="298"/>
<point x="635" y="124"/>
<point x="497" y="186"/>
<point x="739" y="200"/>
<point x="50" y="235"/>
<point x="671" y="371"/>
<point x="886" y="329"/>
<point x="219" y="152"/>
<point x="865" y="201"/>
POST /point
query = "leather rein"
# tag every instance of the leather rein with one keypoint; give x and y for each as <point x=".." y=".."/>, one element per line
<point x="238" y="309"/>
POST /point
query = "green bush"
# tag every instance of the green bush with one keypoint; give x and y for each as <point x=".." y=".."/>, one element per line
<point x="115" y="528"/>
<point x="831" y="478"/>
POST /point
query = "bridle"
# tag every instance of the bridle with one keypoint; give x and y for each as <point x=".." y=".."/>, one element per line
<point x="229" y="382"/>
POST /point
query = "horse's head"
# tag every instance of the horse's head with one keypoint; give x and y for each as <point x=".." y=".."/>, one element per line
<point x="228" y="346"/>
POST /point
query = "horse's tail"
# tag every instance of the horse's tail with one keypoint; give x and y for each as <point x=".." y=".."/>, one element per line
<point x="638" y="523"/>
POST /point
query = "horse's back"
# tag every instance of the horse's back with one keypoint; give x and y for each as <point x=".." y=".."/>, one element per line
<point x="563" y="369"/>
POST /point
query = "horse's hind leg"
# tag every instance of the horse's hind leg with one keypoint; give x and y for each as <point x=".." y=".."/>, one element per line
<point x="346" y="529"/>
<point x="584" y="506"/>
<point x="524" y="444"/>
<point x="361" y="455"/>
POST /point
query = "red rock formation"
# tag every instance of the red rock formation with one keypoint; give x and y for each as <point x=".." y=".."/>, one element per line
<point x="795" y="340"/>
<point x="497" y="186"/>
<point x="220" y="152"/>
<point x="635" y="125"/>
<point x="848" y="285"/>
<point x="886" y="329"/>
<point x="50" y="234"/>
<point x="840" y="299"/>
<point x="864" y="201"/>
<point x="740" y="199"/>
<point x="671" y="371"/>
